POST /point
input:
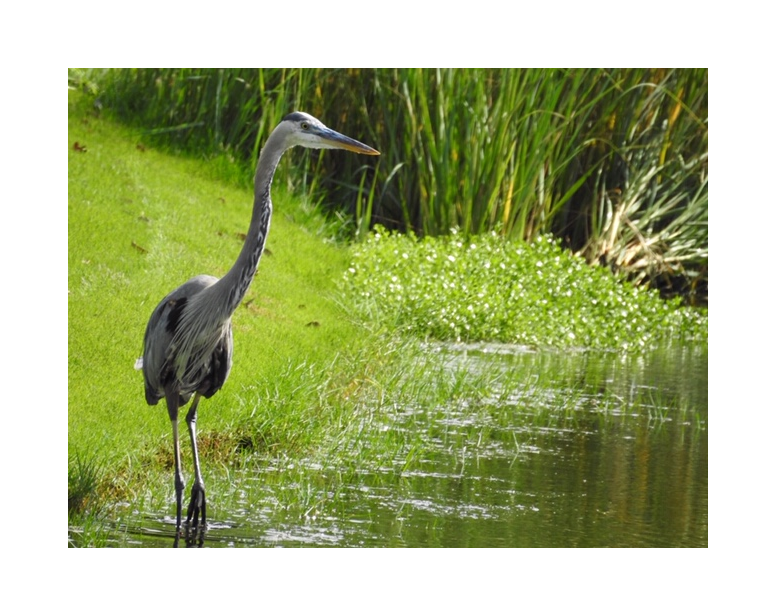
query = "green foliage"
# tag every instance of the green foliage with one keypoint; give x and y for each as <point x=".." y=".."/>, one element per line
<point x="488" y="288"/>
<point x="612" y="161"/>
<point x="82" y="481"/>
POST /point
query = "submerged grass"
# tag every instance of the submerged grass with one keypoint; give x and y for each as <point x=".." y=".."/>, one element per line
<point x="431" y="410"/>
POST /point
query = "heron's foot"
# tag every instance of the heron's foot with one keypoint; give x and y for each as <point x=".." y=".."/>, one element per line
<point x="196" y="513"/>
<point x="195" y="537"/>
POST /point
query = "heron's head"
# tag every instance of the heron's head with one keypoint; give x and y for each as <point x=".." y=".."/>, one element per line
<point x="301" y="128"/>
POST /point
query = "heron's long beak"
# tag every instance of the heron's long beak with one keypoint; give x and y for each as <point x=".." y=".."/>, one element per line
<point x="333" y="139"/>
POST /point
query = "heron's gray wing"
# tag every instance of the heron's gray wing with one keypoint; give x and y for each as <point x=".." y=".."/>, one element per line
<point x="161" y="329"/>
<point x="220" y="365"/>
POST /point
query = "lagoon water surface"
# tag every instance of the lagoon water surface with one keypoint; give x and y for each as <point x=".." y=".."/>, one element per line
<point x="562" y="449"/>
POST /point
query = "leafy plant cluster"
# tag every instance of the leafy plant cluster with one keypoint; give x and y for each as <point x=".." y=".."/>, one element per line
<point x="488" y="288"/>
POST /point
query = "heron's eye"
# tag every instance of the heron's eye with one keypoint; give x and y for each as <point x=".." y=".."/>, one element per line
<point x="305" y="125"/>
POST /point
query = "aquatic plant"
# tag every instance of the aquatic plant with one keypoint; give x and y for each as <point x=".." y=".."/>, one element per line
<point x="488" y="288"/>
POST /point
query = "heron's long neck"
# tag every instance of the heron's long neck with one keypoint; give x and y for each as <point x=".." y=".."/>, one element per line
<point x="230" y="290"/>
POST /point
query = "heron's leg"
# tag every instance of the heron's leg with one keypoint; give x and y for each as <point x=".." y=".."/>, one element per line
<point x="172" y="409"/>
<point x="198" y="504"/>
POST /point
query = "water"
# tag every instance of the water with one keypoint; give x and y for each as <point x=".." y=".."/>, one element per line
<point x="562" y="449"/>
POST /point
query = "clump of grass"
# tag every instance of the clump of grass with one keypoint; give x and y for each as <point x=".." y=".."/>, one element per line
<point x="487" y="288"/>
<point x="83" y="476"/>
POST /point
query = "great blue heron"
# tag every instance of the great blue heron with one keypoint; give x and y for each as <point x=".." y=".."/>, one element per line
<point x="187" y="347"/>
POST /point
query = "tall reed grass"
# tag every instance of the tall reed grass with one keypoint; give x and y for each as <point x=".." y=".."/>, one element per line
<point x="612" y="161"/>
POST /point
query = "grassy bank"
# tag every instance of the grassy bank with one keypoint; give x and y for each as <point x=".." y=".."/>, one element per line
<point x="139" y="224"/>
